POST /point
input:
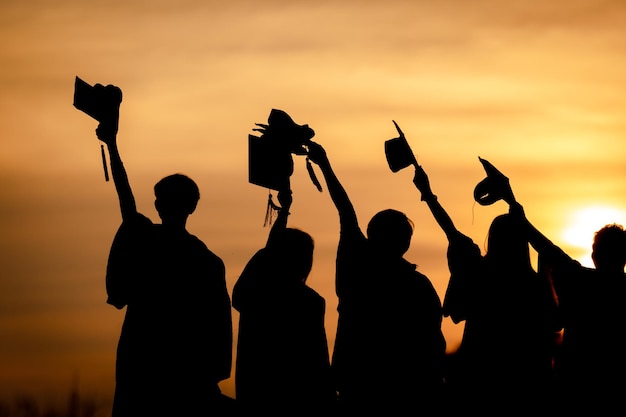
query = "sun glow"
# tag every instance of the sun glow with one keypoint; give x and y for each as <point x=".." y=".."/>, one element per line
<point x="585" y="222"/>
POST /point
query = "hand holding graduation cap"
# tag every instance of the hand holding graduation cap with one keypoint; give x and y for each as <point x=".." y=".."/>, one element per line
<point x="106" y="132"/>
<point x="270" y="155"/>
<point x="317" y="153"/>
<point x="491" y="189"/>
<point x="103" y="104"/>
<point x="399" y="156"/>
<point x="494" y="187"/>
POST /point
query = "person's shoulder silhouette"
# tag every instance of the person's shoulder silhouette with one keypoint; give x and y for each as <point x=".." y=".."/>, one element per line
<point x="176" y="339"/>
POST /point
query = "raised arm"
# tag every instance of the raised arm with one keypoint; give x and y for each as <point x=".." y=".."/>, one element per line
<point x="107" y="132"/>
<point x="280" y="224"/>
<point x="347" y="214"/>
<point x="537" y="239"/>
<point x="439" y="213"/>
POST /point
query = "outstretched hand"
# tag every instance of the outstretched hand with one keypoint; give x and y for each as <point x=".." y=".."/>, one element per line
<point x="420" y="179"/>
<point x="317" y="153"/>
<point x="107" y="133"/>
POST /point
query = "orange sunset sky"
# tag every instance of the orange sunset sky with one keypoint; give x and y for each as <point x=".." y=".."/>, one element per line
<point x="538" y="88"/>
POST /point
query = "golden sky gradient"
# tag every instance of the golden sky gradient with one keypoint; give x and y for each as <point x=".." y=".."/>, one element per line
<point x="535" y="87"/>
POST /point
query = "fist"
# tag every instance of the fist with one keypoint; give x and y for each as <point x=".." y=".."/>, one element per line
<point x="106" y="132"/>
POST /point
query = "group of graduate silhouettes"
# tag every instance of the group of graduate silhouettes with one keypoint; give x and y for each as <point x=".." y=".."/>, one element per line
<point x="534" y="341"/>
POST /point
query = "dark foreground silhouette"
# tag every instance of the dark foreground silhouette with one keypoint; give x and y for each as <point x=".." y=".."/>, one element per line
<point x="591" y="367"/>
<point x="389" y="354"/>
<point x="283" y="364"/>
<point x="389" y="351"/>
<point x="176" y="339"/>
<point x="510" y="311"/>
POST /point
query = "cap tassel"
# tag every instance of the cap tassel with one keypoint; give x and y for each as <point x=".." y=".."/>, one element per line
<point x="309" y="168"/>
<point x="104" y="163"/>
<point x="271" y="212"/>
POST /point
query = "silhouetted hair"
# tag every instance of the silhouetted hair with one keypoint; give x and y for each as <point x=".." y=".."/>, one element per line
<point x="507" y="243"/>
<point x="177" y="190"/>
<point x="390" y="231"/>
<point x="294" y="248"/>
<point x="609" y="245"/>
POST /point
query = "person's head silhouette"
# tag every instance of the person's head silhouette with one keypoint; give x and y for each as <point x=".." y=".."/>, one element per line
<point x="389" y="231"/>
<point x="609" y="248"/>
<point x="507" y="244"/>
<point x="176" y="198"/>
<point x="294" y="248"/>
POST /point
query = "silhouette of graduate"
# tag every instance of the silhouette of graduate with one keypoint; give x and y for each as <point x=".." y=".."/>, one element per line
<point x="389" y="349"/>
<point x="283" y="365"/>
<point x="176" y="340"/>
<point x="511" y="315"/>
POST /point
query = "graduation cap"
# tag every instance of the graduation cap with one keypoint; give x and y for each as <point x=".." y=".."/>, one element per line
<point x="492" y="188"/>
<point x="269" y="166"/>
<point x="270" y="160"/>
<point x="100" y="102"/>
<point x="398" y="152"/>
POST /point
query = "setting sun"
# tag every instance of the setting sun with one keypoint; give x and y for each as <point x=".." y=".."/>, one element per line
<point x="585" y="222"/>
